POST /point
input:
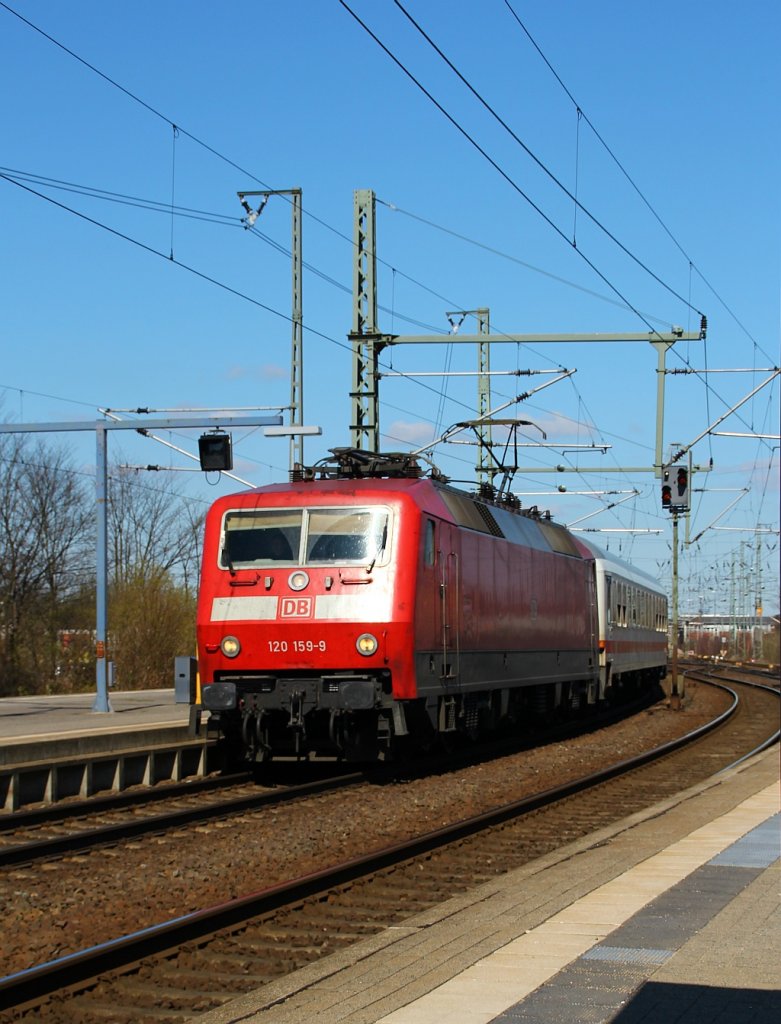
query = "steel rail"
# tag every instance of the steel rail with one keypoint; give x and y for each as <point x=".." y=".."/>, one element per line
<point x="154" y="824"/>
<point x="704" y="677"/>
<point x="116" y="801"/>
<point x="123" y="953"/>
<point x="108" y="834"/>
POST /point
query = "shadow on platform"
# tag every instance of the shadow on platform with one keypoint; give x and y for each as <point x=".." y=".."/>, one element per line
<point x="700" y="1004"/>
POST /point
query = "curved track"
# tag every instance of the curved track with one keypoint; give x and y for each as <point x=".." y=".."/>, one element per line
<point x="249" y="941"/>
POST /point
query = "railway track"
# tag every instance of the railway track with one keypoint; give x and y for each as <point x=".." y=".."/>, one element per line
<point x="57" y="831"/>
<point x="179" y="968"/>
<point x="64" y="829"/>
<point x="744" y="673"/>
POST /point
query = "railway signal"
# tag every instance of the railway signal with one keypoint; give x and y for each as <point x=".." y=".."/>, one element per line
<point x="667" y="491"/>
<point x="675" y="494"/>
<point x="682" y="488"/>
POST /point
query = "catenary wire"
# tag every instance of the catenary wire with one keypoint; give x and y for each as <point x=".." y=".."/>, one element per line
<point x="199" y="274"/>
<point x="515" y="259"/>
<point x="546" y="170"/>
<point x="210" y="149"/>
<point x="480" y="149"/>
<point x="147" y="106"/>
<point x="631" y="181"/>
<point x="513" y="184"/>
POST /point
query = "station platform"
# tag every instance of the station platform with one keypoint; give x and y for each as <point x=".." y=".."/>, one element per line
<point x="673" y="915"/>
<point x="25" y="720"/>
<point x="52" y="747"/>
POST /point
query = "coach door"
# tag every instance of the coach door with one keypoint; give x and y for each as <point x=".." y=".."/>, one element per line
<point x="450" y="598"/>
<point x="596" y="687"/>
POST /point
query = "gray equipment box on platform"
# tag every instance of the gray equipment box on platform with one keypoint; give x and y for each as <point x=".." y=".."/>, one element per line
<point x="185" y="673"/>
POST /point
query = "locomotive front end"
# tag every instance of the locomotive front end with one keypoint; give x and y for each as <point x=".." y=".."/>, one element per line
<point x="298" y="619"/>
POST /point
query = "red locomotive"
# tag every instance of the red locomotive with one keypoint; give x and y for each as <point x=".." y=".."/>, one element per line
<point x="365" y="605"/>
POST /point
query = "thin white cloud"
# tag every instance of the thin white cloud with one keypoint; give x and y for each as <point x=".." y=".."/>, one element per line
<point x="411" y="433"/>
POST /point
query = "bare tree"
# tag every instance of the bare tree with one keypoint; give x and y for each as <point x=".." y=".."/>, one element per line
<point x="151" y="529"/>
<point x="46" y="531"/>
<point x="154" y="538"/>
<point x="47" y="573"/>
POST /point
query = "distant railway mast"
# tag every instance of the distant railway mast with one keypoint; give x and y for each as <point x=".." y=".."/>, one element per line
<point x="296" y="315"/>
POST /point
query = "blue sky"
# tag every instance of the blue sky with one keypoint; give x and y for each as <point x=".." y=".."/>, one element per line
<point x="683" y="173"/>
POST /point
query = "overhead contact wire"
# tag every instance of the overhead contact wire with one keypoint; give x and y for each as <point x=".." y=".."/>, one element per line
<point x="178" y="263"/>
<point x="535" y="158"/>
<point x="631" y="181"/>
<point x="526" y="149"/>
<point x="131" y="95"/>
<point x="496" y="166"/>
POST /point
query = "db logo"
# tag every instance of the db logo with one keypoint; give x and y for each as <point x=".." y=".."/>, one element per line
<point x="296" y="608"/>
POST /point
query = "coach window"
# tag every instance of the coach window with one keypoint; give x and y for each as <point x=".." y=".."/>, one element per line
<point x="429" y="543"/>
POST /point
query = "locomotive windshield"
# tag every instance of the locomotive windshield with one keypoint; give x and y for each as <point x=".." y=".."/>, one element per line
<point x="255" y="538"/>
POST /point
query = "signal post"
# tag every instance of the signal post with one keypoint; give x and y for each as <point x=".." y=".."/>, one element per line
<point x="675" y="499"/>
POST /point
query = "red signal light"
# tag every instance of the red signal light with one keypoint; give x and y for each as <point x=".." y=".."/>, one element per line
<point x="667" y="496"/>
<point x="682" y="485"/>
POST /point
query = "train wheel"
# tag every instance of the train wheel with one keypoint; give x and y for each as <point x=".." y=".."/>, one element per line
<point x="360" y="735"/>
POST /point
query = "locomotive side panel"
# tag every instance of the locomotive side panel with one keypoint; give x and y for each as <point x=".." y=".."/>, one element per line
<point x="506" y="615"/>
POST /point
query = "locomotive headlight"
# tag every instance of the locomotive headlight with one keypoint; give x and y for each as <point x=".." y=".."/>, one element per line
<point x="230" y="646"/>
<point x="366" y="644"/>
<point x="298" y="580"/>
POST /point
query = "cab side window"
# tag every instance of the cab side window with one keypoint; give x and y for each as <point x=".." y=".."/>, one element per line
<point x="429" y="544"/>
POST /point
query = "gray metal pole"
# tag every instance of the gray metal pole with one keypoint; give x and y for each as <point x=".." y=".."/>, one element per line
<point x="296" y="318"/>
<point x="677" y="690"/>
<point x="484" y="470"/>
<point x="759" y="651"/>
<point x="661" y="352"/>
<point x="365" y="339"/>
<point x="297" y="339"/>
<point x="101" y="702"/>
